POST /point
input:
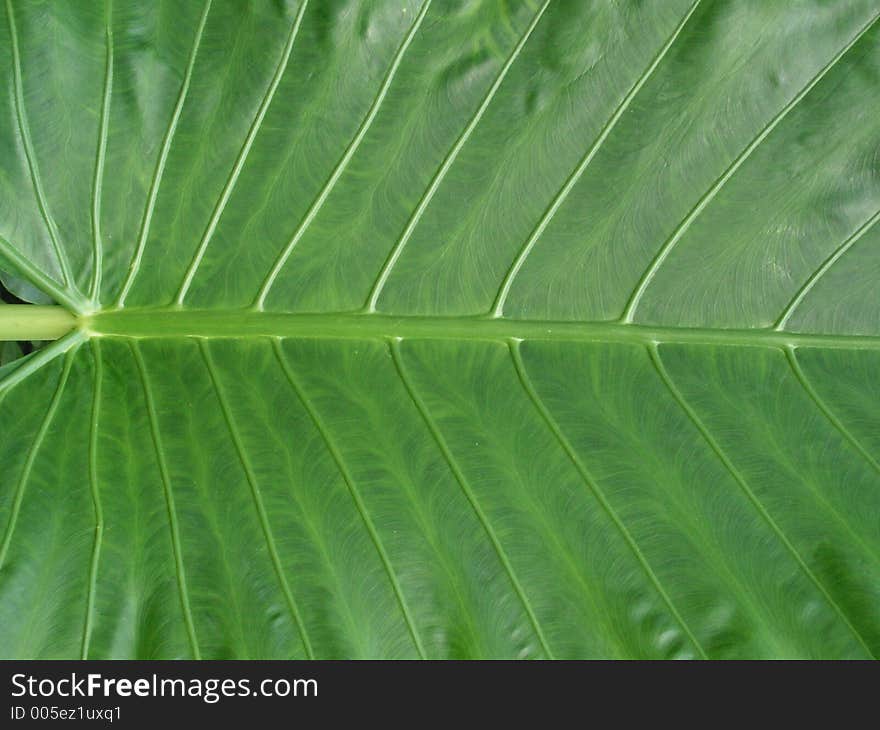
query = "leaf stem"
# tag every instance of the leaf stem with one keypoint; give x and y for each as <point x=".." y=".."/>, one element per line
<point x="30" y="322"/>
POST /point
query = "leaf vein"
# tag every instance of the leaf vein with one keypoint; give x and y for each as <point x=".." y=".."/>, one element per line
<point x="316" y="205"/>
<point x="430" y="191"/>
<point x="68" y="285"/>
<point x="707" y="197"/>
<point x="654" y="354"/>
<point x="158" y="173"/>
<point x="353" y="491"/>
<point x="31" y="458"/>
<point x="97" y="186"/>
<point x="594" y="488"/>
<point x="243" y="153"/>
<point x="171" y="510"/>
<point x="394" y="348"/>
<point x="577" y="173"/>
<point x="826" y="411"/>
<point x="257" y="497"/>
<point x="38" y="359"/>
<point x="96" y="501"/>
<point x="835" y="256"/>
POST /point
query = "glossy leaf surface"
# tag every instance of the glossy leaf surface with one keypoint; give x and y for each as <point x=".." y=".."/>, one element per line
<point x="446" y="329"/>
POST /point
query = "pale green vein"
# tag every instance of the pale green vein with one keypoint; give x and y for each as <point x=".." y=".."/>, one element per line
<point x="31" y="458"/>
<point x="817" y="494"/>
<point x="97" y="186"/>
<point x="173" y="525"/>
<point x="24" y="131"/>
<point x="577" y="173"/>
<point x="679" y="231"/>
<point x="821" y="271"/>
<point x="394" y="347"/>
<point x="165" y="323"/>
<point x="829" y="414"/>
<point x="353" y="491"/>
<point x="96" y="500"/>
<point x="599" y="495"/>
<point x="316" y="205"/>
<point x="243" y="153"/>
<point x="38" y="359"/>
<point x="280" y="443"/>
<point x="428" y="195"/>
<point x="38" y="278"/>
<point x="147" y="219"/>
<point x="257" y="497"/>
<point x="654" y="353"/>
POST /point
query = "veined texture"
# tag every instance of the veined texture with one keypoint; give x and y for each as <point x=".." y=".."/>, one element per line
<point x="441" y="329"/>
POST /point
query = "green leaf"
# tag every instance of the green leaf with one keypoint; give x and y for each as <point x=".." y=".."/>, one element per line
<point x="9" y="351"/>
<point x="461" y="328"/>
<point x="23" y="289"/>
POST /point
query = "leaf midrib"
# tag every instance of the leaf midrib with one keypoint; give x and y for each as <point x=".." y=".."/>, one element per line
<point x="33" y="322"/>
<point x="211" y="324"/>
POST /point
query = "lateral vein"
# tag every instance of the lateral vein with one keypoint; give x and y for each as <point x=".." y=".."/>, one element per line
<point x="38" y="359"/>
<point x="316" y="205"/>
<point x="96" y="500"/>
<point x="257" y="497"/>
<point x="826" y="411"/>
<point x="24" y="130"/>
<point x="835" y="256"/>
<point x="594" y="488"/>
<point x="158" y="173"/>
<point x="354" y="493"/>
<point x="577" y="173"/>
<point x="243" y="153"/>
<point x="704" y="201"/>
<point x="97" y="186"/>
<point x="169" y="501"/>
<point x="654" y="353"/>
<point x="32" y="456"/>
<point x="430" y="191"/>
<point x="394" y="348"/>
